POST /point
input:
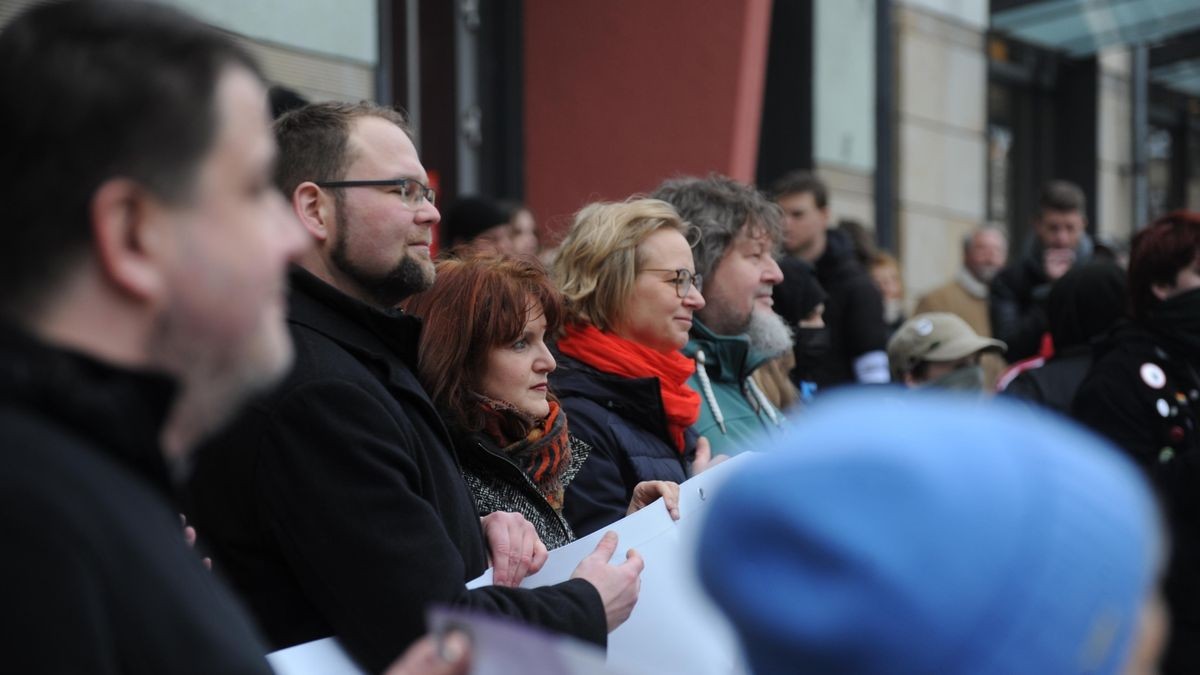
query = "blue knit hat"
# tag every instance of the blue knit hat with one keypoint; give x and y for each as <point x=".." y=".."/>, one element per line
<point x="930" y="534"/>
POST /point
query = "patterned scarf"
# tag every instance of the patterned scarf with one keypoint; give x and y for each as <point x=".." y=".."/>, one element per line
<point x="614" y="354"/>
<point x="539" y="447"/>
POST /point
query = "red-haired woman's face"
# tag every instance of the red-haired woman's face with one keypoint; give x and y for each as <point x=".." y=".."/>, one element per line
<point x="516" y="373"/>
<point x="1186" y="279"/>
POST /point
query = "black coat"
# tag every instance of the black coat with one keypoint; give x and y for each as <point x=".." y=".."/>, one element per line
<point x="96" y="575"/>
<point x="336" y="505"/>
<point x="1017" y="300"/>
<point x="853" y="312"/>
<point x="1147" y="401"/>
<point x="624" y="422"/>
<point x="1082" y="306"/>
<point x="1055" y="383"/>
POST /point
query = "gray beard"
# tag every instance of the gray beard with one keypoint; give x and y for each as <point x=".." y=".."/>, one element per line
<point x="769" y="333"/>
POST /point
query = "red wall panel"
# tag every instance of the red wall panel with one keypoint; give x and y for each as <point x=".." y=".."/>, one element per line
<point x="621" y="94"/>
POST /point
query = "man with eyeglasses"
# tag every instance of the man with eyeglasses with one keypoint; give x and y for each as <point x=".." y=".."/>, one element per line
<point x="736" y="332"/>
<point x="336" y="506"/>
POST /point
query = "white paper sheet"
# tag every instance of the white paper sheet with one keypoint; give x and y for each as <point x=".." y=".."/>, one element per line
<point x="675" y="628"/>
<point x="319" y="657"/>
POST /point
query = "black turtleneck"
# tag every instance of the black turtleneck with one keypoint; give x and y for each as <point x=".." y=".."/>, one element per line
<point x="97" y="577"/>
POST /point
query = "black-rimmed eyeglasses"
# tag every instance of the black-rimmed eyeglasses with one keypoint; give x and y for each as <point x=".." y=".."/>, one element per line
<point x="411" y="191"/>
<point x="683" y="281"/>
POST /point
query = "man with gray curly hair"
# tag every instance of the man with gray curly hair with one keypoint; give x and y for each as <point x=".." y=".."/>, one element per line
<point x="737" y="234"/>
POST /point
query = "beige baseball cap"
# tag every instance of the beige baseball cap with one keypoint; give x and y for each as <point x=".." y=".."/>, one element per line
<point x="935" y="336"/>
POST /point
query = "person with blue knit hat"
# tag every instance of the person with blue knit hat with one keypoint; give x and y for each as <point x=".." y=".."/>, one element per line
<point x="986" y="539"/>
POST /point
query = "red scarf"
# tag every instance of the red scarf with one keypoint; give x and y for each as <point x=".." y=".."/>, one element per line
<point x="614" y="354"/>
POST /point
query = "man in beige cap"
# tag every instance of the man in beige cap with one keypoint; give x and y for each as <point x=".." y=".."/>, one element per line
<point x="939" y="349"/>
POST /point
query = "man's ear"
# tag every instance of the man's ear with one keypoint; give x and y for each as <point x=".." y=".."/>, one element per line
<point x="129" y="238"/>
<point x="1162" y="291"/>
<point x="315" y="209"/>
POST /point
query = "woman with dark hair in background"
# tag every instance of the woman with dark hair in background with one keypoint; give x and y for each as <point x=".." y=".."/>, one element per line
<point x="522" y="227"/>
<point x="476" y="221"/>
<point x="484" y="361"/>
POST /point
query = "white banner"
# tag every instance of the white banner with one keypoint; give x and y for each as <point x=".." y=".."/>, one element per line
<point x="673" y="629"/>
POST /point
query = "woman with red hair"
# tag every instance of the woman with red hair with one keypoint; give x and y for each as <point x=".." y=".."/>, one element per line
<point x="1144" y="393"/>
<point x="484" y="361"/>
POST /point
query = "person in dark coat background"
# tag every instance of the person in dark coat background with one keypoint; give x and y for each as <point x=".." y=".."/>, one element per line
<point x="1085" y="303"/>
<point x="336" y="506"/>
<point x="1144" y="394"/>
<point x="801" y="303"/>
<point x="1017" y="296"/>
<point x="854" y="306"/>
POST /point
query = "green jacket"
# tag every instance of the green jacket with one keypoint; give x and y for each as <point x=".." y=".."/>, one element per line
<point x="733" y="413"/>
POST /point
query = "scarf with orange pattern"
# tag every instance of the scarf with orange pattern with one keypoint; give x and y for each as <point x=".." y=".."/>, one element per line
<point x="540" y="448"/>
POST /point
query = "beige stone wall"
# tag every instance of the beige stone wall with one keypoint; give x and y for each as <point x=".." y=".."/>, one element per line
<point x="317" y="76"/>
<point x="941" y="134"/>
<point x="1114" y="152"/>
<point x="851" y="193"/>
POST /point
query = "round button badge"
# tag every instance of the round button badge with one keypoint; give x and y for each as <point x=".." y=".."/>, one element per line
<point x="1153" y="376"/>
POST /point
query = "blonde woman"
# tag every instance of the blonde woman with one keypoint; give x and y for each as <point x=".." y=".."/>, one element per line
<point x="630" y="288"/>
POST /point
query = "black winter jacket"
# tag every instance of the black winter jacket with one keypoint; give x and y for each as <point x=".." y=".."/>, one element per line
<point x="1055" y="383"/>
<point x="96" y="575"/>
<point x="624" y="422"/>
<point x="336" y="505"/>
<point x="1147" y="401"/>
<point x="1017" y="300"/>
<point x="853" y="312"/>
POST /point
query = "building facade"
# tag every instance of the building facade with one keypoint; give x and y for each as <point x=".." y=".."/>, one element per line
<point x="926" y="117"/>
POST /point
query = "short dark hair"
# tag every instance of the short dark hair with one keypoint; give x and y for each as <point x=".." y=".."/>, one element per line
<point x="313" y="140"/>
<point x="799" y="182"/>
<point x="1061" y="195"/>
<point x="284" y="99"/>
<point x="478" y="302"/>
<point x="1159" y="252"/>
<point x="91" y="90"/>
<point x="720" y="208"/>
